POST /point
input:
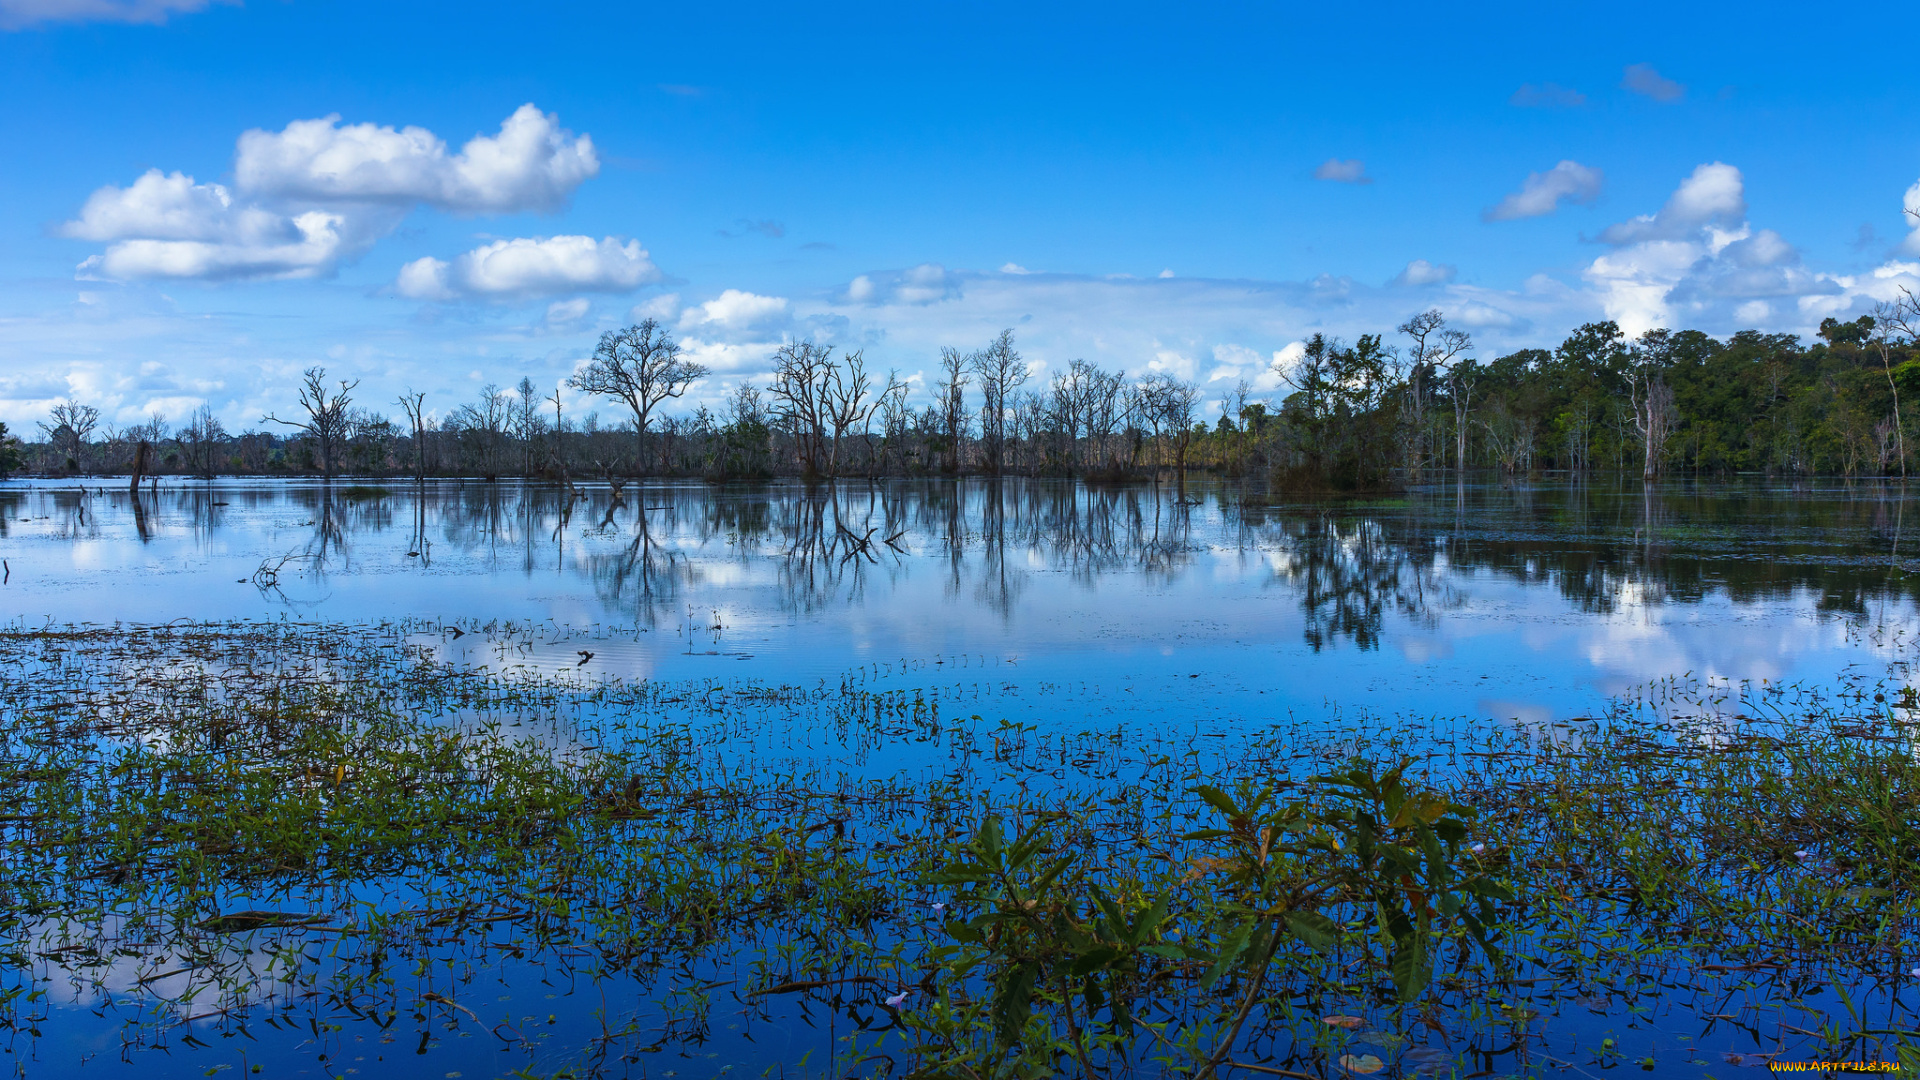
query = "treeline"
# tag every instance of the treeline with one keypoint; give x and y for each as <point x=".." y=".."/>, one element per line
<point x="1373" y="414"/>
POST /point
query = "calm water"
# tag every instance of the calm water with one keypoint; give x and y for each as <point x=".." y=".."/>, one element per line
<point x="1531" y="601"/>
<point x="1043" y="602"/>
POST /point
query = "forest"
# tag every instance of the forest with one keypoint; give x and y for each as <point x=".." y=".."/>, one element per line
<point x="1377" y="413"/>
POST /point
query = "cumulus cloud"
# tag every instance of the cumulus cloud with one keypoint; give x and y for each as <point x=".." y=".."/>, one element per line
<point x="1350" y="171"/>
<point x="532" y="164"/>
<point x="316" y="194"/>
<point x="1421" y="272"/>
<point x="531" y="266"/>
<point x="18" y="14"/>
<point x="164" y="225"/>
<point x="1714" y="194"/>
<point x="1643" y="79"/>
<point x="1542" y="193"/>
<point x="736" y="309"/>
<point x="1547" y="96"/>
<point x="1698" y="260"/>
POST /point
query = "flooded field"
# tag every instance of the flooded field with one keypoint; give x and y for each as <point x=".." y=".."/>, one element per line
<point x="479" y="780"/>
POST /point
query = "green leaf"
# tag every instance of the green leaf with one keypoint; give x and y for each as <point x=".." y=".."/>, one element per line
<point x="1013" y="1003"/>
<point x="1410" y="967"/>
<point x="1315" y="930"/>
<point x="1217" y="799"/>
<point x="1093" y="960"/>
<point x="1231" y="947"/>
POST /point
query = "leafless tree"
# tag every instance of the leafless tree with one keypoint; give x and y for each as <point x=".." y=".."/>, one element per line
<point x="1171" y="403"/>
<point x="327" y="422"/>
<point x="1437" y="351"/>
<point x="201" y="438"/>
<point x="952" y="397"/>
<point x="412" y="403"/>
<point x="849" y="401"/>
<point x="1001" y="373"/>
<point x="1900" y="317"/>
<point x="802" y="376"/>
<point x="1654" y="413"/>
<point x="69" y="427"/>
<point x="484" y="425"/>
<point x="640" y="366"/>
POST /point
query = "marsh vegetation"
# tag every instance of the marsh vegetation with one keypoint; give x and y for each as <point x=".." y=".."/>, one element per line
<point x="283" y="846"/>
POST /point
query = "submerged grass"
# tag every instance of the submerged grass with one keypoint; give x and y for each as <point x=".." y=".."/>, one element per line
<point x="214" y="830"/>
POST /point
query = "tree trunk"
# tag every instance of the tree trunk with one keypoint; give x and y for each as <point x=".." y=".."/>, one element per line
<point x="141" y="453"/>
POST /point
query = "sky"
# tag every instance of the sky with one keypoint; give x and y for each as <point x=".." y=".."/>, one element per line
<point x="199" y="200"/>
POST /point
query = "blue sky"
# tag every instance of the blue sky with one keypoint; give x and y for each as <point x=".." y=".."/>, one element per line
<point x="199" y="200"/>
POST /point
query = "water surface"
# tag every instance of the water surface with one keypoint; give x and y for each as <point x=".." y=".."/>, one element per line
<point x="1213" y="606"/>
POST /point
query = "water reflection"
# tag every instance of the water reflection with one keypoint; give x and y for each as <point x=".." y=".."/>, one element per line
<point x="1490" y="599"/>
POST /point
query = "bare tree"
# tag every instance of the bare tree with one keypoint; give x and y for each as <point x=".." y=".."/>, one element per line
<point x="327" y="422"/>
<point x="1654" y="413"/>
<point x="68" y="428"/>
<point x="1902" y="316"/>
<point x="411" y="403"/>
<point x="802" y="375"/>
<point x="202" y="437"/>
<point x="1001" y="372"/>
<point x="1437" y="351"/>
<point x="952" y="397"/>
<point x="484" y="423"/>
<point x="640" y="366"/>
<point x="848" y="401"/>
<point x="1171" y="404"/>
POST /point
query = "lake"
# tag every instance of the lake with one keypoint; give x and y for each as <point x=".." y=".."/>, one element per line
<point x="973" y="637"/>
<point x="1529" y="601"/>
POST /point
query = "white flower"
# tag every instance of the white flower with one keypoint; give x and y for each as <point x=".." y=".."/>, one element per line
<point x="939" y="907"/>
<point x="1478" y="849"/>
<point x="897" y="999"/>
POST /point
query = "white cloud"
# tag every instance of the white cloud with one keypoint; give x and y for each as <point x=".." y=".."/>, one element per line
<point x="1421" y="272"/>
<point x="16" y="14"/>
<point x="923" y="284"/>
<point x="1542" y="192"/>
<point x="736" y="309"/>
<point x="164" y="225"/>
<point x="524" y="267"/>
<point x="662" y="308"/>
<point x="1350" y="171"/>
<point x="1014" y="268"/>
<point x="1643" y="79"/>
<point x="1713" y="195"/>
<point x="532" y="164"/>
<point x="1698" y="260"/>
<point x="307" y="198"/>
<point x="565" y="312"/>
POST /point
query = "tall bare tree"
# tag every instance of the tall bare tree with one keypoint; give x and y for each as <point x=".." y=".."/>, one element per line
<point x="327" y="423"/>
<point x="1001" y="373"/>
<point x="1436" y="351"/>
<point x="951" y="395"/>
<point x="1654" y="412"/>
<point x="640" y="366"/>
<point x="412" y="403"/>
<point x="69" y="427"/>
<point x="803" y="374"/>
<point x="1900" y="317"/>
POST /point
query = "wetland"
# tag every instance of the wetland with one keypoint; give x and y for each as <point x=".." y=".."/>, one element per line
<point x="979" y="778"/>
